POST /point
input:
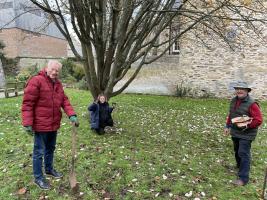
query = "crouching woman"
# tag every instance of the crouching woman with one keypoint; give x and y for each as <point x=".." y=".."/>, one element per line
<point x="100" y="114"/>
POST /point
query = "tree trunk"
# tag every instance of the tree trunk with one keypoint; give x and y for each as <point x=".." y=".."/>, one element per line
<point x="2" y="75"/>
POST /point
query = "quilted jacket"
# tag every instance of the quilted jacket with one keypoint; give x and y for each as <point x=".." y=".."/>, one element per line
<point x="42" y="103"/>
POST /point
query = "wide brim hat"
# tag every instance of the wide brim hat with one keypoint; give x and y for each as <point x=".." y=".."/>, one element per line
<point x="242" y="85"/>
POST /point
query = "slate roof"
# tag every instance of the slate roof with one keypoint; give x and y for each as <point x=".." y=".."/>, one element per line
<point x="24" y="15"/>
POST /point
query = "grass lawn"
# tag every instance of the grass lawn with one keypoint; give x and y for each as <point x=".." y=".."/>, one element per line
<point x="165" y="148"/>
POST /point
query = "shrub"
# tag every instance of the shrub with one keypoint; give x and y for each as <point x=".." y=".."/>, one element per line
<point x="2" y="46"/>
<point x="206" y="94"/>
<point x="69" y="80"/>
<point x="70" y="68"/>
<point x="9" y="64"/>
<point x="82" y="84"/>
<point x="183" y="90"/>
<point x="27" y="72"/>
<point x="67" y="66"/>
<point x="78" y="72"/>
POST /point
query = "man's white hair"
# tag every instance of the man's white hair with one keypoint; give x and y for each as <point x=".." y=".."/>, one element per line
<point x="54" y="62"/>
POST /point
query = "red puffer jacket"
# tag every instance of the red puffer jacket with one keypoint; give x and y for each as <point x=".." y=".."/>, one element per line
<point x="42" y="103"/>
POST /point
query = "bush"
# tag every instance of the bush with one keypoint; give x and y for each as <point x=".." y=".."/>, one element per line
<point x="206" y="94"/>
<point x="82" y="84"/>
<point x="78" y="72"/>
<point x="183" y="90"/>
<point x="9" y="64"/>
<point x="69" y="80"/>
<point x="67" y="66"/>
<point x="27" y="72"/>
<point x="2" y="46"/>
<point x="70" y="68"/>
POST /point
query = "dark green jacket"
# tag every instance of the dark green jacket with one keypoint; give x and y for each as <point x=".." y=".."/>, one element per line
<point x="243" y="109"/>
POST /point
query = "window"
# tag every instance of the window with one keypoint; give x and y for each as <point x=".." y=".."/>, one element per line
<point x="176" y="47"/>
<point x="175" y="32"/>
<point x="6" y="5"/>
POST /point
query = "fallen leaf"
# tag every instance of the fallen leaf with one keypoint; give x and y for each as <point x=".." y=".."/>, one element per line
<point x="189" y="194"/>
<point x="22" y="191"/>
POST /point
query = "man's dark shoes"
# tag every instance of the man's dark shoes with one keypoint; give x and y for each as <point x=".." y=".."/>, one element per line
<point x="42" y="184"/>
<point x="54" y="174"/>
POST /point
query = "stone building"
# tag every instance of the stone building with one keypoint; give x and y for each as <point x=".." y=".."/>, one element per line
<point x="27" y="33"/>
<point x="205" y="71"/>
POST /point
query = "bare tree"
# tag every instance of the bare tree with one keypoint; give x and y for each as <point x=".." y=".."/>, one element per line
<point x="114" y="34"/>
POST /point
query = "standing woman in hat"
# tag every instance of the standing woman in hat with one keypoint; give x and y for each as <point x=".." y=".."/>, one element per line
<point x="242" y="123"/>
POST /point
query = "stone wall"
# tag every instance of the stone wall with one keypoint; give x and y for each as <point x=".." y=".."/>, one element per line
<point x="212" y="71"/>
<point x="39" y="62"/>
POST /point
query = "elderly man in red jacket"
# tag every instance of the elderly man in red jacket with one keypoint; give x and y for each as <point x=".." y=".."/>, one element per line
<point x="242" y="123"/>
<point x="41" y="115"/>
